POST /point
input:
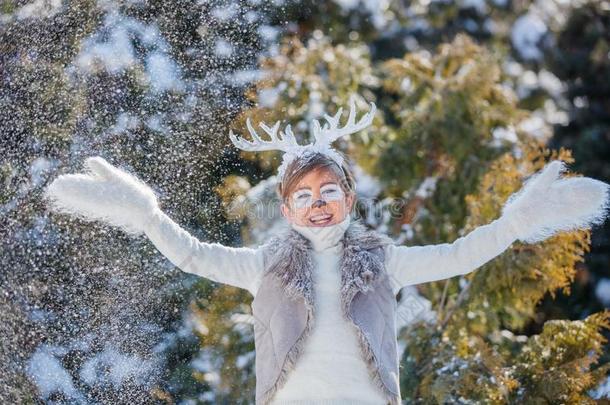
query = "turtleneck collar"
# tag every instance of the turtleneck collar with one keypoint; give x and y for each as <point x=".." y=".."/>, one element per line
<point x="324" y="237"/>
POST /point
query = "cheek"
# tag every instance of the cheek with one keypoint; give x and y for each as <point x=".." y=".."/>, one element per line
<point x="302" y="215"/>
<point x="338" y="205"/>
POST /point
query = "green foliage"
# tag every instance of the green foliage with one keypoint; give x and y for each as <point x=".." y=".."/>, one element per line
<point x="580" y="60"/>
<point x="553" y="367"/>
<point x="471" y="359"/>
<point x="228" y="342"/>
<point x="445" y="107"/>
<point x="550" y="368"/>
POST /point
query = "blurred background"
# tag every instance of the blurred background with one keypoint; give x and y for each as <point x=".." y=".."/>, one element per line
<point x="473" y="96"/>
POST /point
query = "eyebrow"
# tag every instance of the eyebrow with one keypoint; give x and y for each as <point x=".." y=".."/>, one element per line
<point x="309" y="188"/>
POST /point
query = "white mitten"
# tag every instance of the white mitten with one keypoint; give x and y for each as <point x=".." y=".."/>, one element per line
<point x="104" y="193"/>
<point x="548" y="204"/>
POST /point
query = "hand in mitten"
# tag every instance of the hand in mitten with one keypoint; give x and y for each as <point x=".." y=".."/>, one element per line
<point x="547" y="204"/>
<point x="104" y="193"/>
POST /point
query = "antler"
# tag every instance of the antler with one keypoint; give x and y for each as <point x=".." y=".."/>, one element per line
<point x="285" y="142"/>
<point x="323" y="135"/>
<point x="331" y="131"/>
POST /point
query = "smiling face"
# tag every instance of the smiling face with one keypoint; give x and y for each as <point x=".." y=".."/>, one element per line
<point x="317" y="199"/>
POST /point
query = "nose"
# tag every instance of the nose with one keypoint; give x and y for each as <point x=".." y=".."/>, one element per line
<point x="319" y="203"/>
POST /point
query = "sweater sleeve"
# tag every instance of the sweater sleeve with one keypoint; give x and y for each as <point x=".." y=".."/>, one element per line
<point x="237" y="266"/>
<point x="408" y="265"/>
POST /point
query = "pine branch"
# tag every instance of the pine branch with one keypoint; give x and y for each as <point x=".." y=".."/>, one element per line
<point x="458" y="302"/>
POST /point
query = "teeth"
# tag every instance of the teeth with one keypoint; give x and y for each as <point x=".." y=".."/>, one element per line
<point x="320" y="218"/>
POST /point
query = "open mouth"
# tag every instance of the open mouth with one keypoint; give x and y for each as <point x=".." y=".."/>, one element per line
<point x="320" y="219"/>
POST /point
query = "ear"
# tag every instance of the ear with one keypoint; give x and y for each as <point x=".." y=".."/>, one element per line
<point x="350" y="201"/>
<point x="284" y="210"/>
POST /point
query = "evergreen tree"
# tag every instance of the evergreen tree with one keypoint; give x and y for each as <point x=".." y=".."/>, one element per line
<point x="148" y="86"/>
<point x="581" y="62"/>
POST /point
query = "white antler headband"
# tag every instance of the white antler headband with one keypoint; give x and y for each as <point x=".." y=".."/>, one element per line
<point x="324" y="136"/>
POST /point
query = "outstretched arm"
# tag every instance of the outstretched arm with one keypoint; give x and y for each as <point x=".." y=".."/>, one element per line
<point x="409" y="265"/>
<point x="544" y="206"/>
<point x="237" y="266"/>
<point x="108" y="194"/>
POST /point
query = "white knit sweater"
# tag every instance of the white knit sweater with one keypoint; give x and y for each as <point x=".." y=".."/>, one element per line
<point x="321" y="376"/>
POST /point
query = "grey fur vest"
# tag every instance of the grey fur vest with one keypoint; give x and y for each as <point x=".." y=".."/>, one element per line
<point x="283" y="308"/>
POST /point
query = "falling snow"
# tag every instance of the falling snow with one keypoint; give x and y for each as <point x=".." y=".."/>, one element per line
<point x="91" y="315"/>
